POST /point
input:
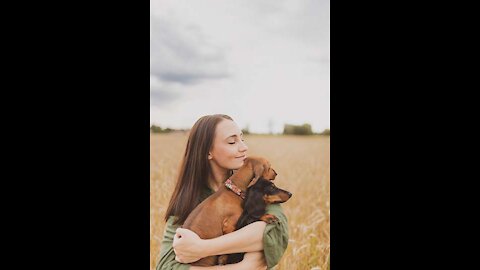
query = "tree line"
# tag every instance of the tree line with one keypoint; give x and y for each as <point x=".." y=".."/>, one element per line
<point x="288" y="129"/>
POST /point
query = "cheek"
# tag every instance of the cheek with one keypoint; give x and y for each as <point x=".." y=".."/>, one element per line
<point x="225" y="152"/>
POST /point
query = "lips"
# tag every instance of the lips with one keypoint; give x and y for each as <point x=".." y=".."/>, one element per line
<point x="244" y="156"/>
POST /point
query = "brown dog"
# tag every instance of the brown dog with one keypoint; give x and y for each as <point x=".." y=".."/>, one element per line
<point x="218" y="214"/>
<point x="263" y="193"/>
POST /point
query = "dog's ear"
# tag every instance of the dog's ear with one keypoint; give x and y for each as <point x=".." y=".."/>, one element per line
<point x="258" y="169"/>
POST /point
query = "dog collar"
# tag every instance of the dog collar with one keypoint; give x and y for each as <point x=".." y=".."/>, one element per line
<point x="229" y="184"/>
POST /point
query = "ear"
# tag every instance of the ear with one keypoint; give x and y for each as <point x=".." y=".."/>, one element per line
<point x="258" y="170"/>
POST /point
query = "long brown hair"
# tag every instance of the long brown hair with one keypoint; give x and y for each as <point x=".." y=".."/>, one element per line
<point x="194" y="169"/>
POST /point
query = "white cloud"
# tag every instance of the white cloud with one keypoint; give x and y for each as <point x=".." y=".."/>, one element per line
<point x="258" y="61"/>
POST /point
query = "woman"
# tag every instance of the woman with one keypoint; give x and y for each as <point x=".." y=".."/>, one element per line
<point x="215" y="148"/>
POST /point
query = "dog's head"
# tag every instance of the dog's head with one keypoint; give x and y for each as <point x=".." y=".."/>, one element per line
<point x="261" y="169"/>
<point x="267" y="190"/>
<point x="253" y="169"/>
<point x="258" y="197"/>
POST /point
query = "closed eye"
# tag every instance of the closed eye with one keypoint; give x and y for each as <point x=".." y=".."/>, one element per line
<point x="235" y="142"/>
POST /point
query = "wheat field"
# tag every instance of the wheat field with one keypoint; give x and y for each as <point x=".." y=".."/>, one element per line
<point x="303" y="167"/>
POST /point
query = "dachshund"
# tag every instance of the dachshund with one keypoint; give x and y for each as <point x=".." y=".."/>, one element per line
<point x="218" y="214"/>
<point x="258" y="196"/>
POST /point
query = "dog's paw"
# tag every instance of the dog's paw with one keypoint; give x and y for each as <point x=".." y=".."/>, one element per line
<point x="268" y="218"/>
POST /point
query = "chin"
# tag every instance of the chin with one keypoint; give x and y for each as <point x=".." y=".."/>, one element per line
<point x="240" y="164"/>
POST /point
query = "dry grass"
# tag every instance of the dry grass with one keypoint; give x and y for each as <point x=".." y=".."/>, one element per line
<point x="303" y="167"/>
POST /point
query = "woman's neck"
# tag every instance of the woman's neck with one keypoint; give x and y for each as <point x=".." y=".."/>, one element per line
<point x="217" y="177"/>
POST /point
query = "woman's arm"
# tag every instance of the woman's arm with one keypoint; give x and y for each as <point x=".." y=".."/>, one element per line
<point x="189" y="247"/>
<point x="235" y="266"/>
<point x="167" y="260"/>
<point x="167" y="255"/>
<point x="251" y="261"/>
<point x="271" y="238"/>
<point x="246" y="239"/>
<point x="275" y="236"/>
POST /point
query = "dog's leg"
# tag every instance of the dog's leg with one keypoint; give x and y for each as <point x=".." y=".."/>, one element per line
<point x="268" y="218"/>
<point x="222" y="259"/>
<point x="207" y="261"/>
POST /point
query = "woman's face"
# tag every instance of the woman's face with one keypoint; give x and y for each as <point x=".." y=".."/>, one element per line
<point x="228" y="149"/>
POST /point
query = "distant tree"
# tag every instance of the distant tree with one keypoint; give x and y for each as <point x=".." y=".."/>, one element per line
<point x="325" y="132"/>
<point x="305" y="129"/>
<point x="156" y="129"/>
<point x="270" y="126"/>
<point x="246" y="131"/>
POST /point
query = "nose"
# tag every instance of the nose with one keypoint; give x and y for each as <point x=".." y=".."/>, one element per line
<point x="243" y="147"/>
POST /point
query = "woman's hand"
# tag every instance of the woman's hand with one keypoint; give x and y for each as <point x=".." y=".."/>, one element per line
<point x="254" y="260"/>
<point x="188" y="246"/>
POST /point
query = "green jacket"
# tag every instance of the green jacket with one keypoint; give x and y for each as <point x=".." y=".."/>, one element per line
<point x="275" y="239"/>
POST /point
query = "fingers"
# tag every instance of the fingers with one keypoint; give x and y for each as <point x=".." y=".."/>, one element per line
<point x="175" y="241"/>
<point x="176" y="237"/>
<point x="179" y="232"/>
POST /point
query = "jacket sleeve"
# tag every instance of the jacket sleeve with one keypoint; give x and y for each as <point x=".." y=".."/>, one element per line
<point x="275" y="236"/>
<point x="167" y="255"/>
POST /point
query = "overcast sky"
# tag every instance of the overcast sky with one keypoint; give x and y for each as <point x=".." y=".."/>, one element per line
<point x="263" y="62"/>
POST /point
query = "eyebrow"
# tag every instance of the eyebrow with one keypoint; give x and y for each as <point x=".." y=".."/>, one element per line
<point x="234" y="135"/>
